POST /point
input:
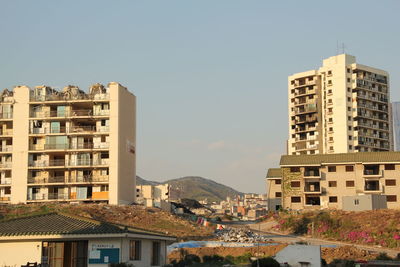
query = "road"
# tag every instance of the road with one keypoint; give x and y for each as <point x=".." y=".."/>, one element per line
<point x="264" y="228"/>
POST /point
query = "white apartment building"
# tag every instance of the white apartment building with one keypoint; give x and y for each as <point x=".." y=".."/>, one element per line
<point x="68" y="146"/>
<point x="341" y="107"/>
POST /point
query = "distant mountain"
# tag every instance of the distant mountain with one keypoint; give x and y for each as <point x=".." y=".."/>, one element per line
<point x="141" y="181"/>
<point x="197" y="188"/>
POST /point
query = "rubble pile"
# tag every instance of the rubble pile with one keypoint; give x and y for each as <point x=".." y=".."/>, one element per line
<point x="239" y="235"/>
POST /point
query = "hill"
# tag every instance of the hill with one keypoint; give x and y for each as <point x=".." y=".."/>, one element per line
<point x="141" y="181"/>
<point x="198" y="188"/>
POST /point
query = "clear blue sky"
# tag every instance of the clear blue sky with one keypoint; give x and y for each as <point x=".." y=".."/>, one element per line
<point x="210" y="76"/>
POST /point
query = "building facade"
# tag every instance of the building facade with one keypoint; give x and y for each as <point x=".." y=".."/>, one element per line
<point x="274" y="189"/>
<point x="396" y="124"/>
<point x="323" y="181"/>
<point x="341" y="107"/>
<point x="68" y="146"/>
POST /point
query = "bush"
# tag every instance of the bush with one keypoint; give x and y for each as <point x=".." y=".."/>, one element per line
<point x="122" y="264"/>
<point x="213" y="259"/>
<point x="191" y="258"/>
<point x="265" y="262"/>
<point x="342" y="263"/>
<point x="383" y="257"/>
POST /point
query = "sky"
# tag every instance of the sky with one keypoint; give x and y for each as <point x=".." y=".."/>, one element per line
<point x="210" y="76"/>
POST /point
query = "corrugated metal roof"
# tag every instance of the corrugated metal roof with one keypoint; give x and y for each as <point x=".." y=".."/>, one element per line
<point x="63" y="224"/>
<point x="361" y="157"/>
<point x="274" y="173"/>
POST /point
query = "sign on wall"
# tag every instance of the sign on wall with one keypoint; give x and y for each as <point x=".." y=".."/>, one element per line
<point x="103" y="254"/>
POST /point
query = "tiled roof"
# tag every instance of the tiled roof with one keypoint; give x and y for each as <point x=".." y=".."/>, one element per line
<point x="359" y="157"/>
<point x="63" y="224"/>
<point x="274" y="173"/>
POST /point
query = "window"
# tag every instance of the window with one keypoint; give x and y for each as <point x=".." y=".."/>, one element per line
<point x="332" y="183"/>
<point x="391" y="198"/>
<point x="349" y="168"/>
<point x="331" y="148"/>
<point x="348" y="80"/>
<point x="278" y="181"/>
<point x="333" y="199"/>
<point x="7" y="190"/>
<point x="295" y="169"/>
<point x="295" y="184"/>
<point x="390" y="167"/>
<point x="155" y="253"/>
<point x="348" y="70"/>
<point x="278" y="194"/>
<point x="349" y="118"/>
<point x="104" y="188"/>
<point x="356" y="202"/>
<point x="296" y="199"/>
<point x="350" y="137"/>
<point x="135" y="250"/>
<point x="349" y="183"/>
<point x="350" y="128"/>
<point x="330" y="119"/>
<point x="390" y="182"/>
<point x="348" y="89"/>
<point x="350" y="147"/>
<point x="349" y="99"/>
<point x="331" y="168"/>
<point x="348" y="108"/>
<point x="330" y="110"/>
<point x="331" y="129"/>
<point x="329" y="72"/>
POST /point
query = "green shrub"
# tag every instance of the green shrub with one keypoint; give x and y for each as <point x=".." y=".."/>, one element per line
<point x="213" y="259"/>
<point x="383" y="257"/>
<point x="191" y="258"/>
<point x="265" y="262"/>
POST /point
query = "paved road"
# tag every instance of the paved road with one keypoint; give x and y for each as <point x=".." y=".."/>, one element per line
<point x="265" y="229"/>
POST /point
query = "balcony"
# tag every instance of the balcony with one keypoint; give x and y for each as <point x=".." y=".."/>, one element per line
<point x="5" y="181"/>
<point x="5" y="165"/>
<point x="312" y="174"/>
<point x="5" y="199"/>
<point x="62" y="98"/>
<point x="372" y="171"/>
<point x="6" y="116"/>
<point x="312" y="188"/>
<point x="49" y="196"/>
<point x="372" y="187"/>
<point x="6" y="132"/>
<point x="47" y="163"/>
<point x="6" y="149"/>
<point x="88" y="162"/>
<point x="62" y="179"/>
<point x="71" y="113"/>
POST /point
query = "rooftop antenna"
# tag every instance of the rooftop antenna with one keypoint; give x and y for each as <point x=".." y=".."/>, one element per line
<point x="343" y="48"/>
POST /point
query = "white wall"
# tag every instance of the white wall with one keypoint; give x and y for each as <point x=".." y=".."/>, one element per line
<point x="18" y="253"/>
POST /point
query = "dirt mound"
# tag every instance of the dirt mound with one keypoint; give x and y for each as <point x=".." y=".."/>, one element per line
<point x="347" y="253"/>
<point x="263" y="251"/>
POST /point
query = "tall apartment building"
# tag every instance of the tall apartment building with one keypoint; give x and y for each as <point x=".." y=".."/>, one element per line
<point x="341" y="107"/>
<point x="396" y="124"/>
<point x="328" y="181"/>
<point x="67" y="146"/>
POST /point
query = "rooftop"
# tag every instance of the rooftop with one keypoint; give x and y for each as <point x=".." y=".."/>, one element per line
<point x="62" y="224"/>
<point x="274" y="173"/>
<point x="321" y="159"/>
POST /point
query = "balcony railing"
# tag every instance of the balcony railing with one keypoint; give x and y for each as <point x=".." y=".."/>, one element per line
<point x="64" y="98"/>
<point x="47" y="163"/>
<point x="7" y="115"/>
<point x="312" y="173"/>
<point x="5" y="181"/>
<point x="5" y="165"/>
<point x="312" y="189"/>
<point x="373" y="172"/>
<point x="71" y="113"/>
<point x="7" y="148"/>
<point x="5" y="199"/>
<point x="101" y="145"/>
<point x="63" y="179"/>
<point x="6" y="132"/>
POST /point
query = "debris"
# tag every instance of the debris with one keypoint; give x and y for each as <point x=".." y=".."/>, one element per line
<point x="239" y="235"/>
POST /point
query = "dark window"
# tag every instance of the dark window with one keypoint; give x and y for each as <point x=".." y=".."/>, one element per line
<point x="332" y="183"/>
<point x="278" y="181"/>
<point x="295" y="184"/>
<point x="391" y="198"/>
<point x="349" y="168"/>
<point x="331" y="168"/>
<point x="296" y="199"/>
<point x="7" y="190"/>
<point x="295" y="169"/>
<point x="135" y="249"/>
<point x="390" y="182"/>
<point x="333" y="199"/>
<point x="278" y="194"/>
<point x="155" y="255"/>
<point x="349" y="183"/>
<point x="390" y="167"/>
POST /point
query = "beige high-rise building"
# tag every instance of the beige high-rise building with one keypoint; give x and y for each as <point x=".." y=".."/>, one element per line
<point x="68" y="146"/>
<point x="341" y="107"/>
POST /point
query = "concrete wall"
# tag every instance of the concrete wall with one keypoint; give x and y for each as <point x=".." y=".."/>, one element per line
<point x="364" y="202"/>
<point x="18" y="253"/>
<point x="20" y="145"/>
